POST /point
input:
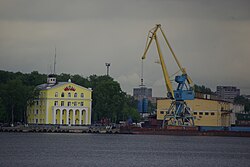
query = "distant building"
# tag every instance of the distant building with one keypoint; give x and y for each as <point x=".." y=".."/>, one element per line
<point x="142" y="92"/>
<point x="62" y="103"/>
<point x="227" y="93"/>
<point x="143" y="95"/>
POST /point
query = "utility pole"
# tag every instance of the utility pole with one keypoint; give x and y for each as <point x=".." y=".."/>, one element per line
<point x="107" y="65"/>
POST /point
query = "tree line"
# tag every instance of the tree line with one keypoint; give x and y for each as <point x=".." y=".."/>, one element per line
<point x="17" y="90"/>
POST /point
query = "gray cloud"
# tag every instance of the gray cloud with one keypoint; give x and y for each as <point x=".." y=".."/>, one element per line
<point x="211" y="38"/>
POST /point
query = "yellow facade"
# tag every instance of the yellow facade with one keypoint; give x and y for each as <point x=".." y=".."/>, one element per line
<point x="206" y="112"/>
<point x="63" y="103"/>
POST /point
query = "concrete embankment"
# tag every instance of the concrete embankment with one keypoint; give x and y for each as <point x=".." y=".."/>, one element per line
<point x="61" y="129"/>
<point x="170" y="130"/>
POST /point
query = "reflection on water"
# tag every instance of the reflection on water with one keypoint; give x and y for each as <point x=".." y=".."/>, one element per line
<point x="53" y="149"/>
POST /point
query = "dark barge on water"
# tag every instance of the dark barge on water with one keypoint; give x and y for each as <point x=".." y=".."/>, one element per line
<point x="189" y="131"/>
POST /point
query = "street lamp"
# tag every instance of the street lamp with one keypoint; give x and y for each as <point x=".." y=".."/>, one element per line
<point x="107" y="65"/>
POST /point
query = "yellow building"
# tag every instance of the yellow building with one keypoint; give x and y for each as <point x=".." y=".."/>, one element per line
<point x="63" y="103"/>
<point x="206" y="112"/>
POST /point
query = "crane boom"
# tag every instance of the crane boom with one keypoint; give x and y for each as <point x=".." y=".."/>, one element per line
<point x="153" y="36"/>
<point x="164" y="69"/>
<point x="189" y="80"/>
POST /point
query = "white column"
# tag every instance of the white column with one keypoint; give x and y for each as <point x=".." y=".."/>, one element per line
<point x="61" y="116"/>
<point x="90" y="110"/>
<point x="54" y="116"/>
<point x="80" y="117"/>
<point x="47" y="111"/>
<point x="73" y="121"/>
<point x="67" y="117"/>
<point x="87" y="120"/>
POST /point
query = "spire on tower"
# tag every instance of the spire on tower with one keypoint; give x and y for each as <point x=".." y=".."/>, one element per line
<point x="55" y="62"/>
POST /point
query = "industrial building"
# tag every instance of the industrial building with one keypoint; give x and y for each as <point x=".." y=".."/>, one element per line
<point x="227" y="93"/>
<point x="206" y="112"/>
<point x="62" y="103"/>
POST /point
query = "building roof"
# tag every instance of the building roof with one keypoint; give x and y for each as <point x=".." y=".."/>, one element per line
<point x="47" y="86"/>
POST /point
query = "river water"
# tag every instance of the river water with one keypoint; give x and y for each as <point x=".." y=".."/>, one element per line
<point x="115" y="150"/>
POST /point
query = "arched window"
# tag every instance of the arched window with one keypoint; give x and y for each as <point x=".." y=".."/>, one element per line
<point x="83" y="111"/>
<point x="56" y="94"/>
<point x="75" y="95"/>
<point x="82" y="95"/>
<point x="62" y="95"/>
<point x="69" y="94"/>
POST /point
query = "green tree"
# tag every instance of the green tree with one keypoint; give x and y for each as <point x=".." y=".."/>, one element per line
<point x="15" y="96"/>
<point x="202" y="89"/>
<point x="63" y="77"/>
<point x="3" y="114"/>
<point x="32" y="79"/>
<point x="77" y="79"/>
<point x="107" y="98"/>
<point x="243" y="101"/>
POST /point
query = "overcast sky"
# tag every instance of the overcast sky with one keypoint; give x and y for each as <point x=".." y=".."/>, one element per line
<point x="211" y="38"/>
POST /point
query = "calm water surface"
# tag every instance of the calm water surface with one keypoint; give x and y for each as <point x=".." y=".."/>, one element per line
<point x="53" y="149"/>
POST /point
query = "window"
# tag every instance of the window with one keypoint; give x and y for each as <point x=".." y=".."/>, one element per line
<point x="212" y="113"/>
<point x="206" y="113"/>
<point x="56" y="103"/>
<point x="62" y="121"/>
<point x="69" y="94"/>
<point x="81" y="103"/>
<point x="76" y="112"/>
<point x="195" y="113"/>
<point x="36" y="111"/>
<point x="75" y="95"/>
<point x="75" y="103"/>
<point x="69" y="103"/>
<point x="56" y="94"/>
<point x="62" y="103"/>
<point x="82" y="95"/>
<point x="63" y="112"/>
<point x="36" y="120"/>
<point x="62" y="95"/>
<point x="37" y="102"/>
<point x="200" y="113"/>
<point x="162" y="112"/>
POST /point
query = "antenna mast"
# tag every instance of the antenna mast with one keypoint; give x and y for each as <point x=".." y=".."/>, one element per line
<point x="55" y="62"/>
<point x="142" y="74"/>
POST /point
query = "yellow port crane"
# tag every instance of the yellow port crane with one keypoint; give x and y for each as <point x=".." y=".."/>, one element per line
<point x="178" y="113"/>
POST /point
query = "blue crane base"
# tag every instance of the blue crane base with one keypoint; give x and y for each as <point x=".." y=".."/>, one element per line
<point x="178" y="114"/>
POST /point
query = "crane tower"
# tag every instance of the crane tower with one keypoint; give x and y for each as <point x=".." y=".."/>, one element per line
<point x="178" y="113"/>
